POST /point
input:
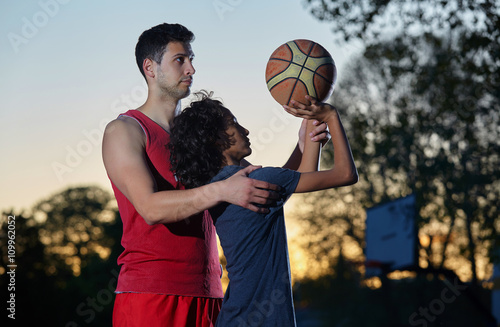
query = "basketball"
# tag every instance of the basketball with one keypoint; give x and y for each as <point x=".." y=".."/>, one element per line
<point x="299" y="68"/>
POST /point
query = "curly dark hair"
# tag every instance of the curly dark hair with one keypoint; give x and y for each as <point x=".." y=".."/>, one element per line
<point x="153" y="42"/>
<point x="198" y="139"/>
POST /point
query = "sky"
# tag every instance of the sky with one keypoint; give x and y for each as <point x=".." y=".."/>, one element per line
<point x="68" y="68"/>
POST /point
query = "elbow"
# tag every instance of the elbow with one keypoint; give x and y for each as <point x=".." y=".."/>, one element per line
<point x="149" y="216"/>
<point x="150" y="219"/>
<point x="352" y="178"/>
<point x="154" y="216"/>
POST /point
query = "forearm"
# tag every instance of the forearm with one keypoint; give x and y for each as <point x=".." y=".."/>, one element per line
<point x="342" y="173"/>
<point x="344" y="170"/>
<point x="294" y="161"/>
<point x="172" y="206"/>
<point x="310" y="130"/>
<point x="312" y="150"/>
<point x="343" y="159"/>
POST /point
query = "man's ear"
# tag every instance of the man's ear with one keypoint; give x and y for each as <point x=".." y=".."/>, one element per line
<point x="148" y="68"/>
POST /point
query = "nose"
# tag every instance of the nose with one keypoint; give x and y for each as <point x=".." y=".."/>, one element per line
<point x="245" y="131"/>
<point x="190" y="68"/>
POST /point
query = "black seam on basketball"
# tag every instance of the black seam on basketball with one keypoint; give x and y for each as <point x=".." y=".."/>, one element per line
<point x="309" y="56"/>
<point x="314" y="71"/>
<point x="280" y="59"/>
<point x="323" y="77"/>
<point x="298" y="76"/>
<point x="289" y="63"/>
<point x="282" y="82"/>
<point x="293" y="88"/>
<point x="301" y="49"/>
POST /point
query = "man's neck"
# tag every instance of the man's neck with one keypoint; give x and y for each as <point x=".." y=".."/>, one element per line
<point x="161" y="111"/>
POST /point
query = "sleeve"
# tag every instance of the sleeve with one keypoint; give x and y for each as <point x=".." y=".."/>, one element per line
<point x="286" y="178"/>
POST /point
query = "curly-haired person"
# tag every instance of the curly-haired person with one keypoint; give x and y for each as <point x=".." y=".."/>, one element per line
<point x="169" y="267"/>
<point x="209" y="145"/>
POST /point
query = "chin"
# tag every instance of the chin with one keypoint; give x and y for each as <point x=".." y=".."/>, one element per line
<point x="186" y="94"/>
<point x="183" y="91"/>
<point x="245" y="155"/>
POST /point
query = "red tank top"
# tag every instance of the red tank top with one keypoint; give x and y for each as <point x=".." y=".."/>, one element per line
<point x="179" y="258"/>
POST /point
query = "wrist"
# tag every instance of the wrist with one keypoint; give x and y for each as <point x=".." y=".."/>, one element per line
<point x="311" y="125"/>
<point x="331" y="116"/>
<point x="214" y="192"/>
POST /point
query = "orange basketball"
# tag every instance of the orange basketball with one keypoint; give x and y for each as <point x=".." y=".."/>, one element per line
<point x="298" y="68"/>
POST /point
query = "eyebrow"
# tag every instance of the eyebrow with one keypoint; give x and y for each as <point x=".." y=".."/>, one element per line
<point x="183" y="54"/>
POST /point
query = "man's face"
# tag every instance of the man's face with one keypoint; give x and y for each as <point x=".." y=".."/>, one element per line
<point x="175" y="73"/>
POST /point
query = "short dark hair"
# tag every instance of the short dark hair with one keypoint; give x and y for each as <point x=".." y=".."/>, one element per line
<point x="153" y="42"/>
<point x="198" y="138"/>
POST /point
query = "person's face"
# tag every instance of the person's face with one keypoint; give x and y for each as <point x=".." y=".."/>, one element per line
<point x="240" y="144"/>
<point x="175" y="73"/>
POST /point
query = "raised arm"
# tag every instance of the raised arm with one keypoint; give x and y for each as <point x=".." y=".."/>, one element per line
<point x="316" y="132"/>
<point x="312" y="150"/>
<point x="344" y="171"/>
<point x="125" y="162"/>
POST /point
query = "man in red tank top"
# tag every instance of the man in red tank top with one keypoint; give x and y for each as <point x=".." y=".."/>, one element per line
<point x="170" y="272"/>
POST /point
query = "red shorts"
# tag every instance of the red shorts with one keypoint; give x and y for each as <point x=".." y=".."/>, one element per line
<point x="161" y="310"/>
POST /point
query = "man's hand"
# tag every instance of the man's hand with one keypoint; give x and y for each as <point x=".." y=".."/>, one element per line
<point x="247" y="193"/>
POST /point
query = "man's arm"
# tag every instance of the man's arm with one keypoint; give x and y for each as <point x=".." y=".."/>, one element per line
<point x="125" y="162"/>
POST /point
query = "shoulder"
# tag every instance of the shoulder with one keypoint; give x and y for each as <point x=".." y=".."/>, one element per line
<point x="225" y="173"/>
<point x="123" y="132"/>
<point x="286" y="178"/>
<point x="123" y="126"/>
<point x="272" y="173"/>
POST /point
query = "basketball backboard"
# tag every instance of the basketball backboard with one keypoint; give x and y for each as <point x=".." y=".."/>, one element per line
<point x="390" y="236"/>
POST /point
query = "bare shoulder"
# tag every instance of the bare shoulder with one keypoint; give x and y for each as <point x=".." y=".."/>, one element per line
<point x="123" y="141"/>
<point x="124" y="129"/>
<point x="122" y="125"/>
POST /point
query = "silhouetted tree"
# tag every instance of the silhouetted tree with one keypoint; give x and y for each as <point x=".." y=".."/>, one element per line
<point x="30" y="283"/>
<point x="421" y="106"/>
<point x="72" y="226"/>
<point x="66" y="250"/>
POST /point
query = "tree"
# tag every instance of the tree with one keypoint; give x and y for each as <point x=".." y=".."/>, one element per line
<point x="72" y="226"/>
<point x="376" y="20"/>
<point x="66" y="249"/>
<point x="24" y="257"/>
<point x="422" y="107"/>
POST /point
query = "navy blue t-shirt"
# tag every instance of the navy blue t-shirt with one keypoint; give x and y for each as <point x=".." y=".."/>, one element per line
<point x="255" y="246"/>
